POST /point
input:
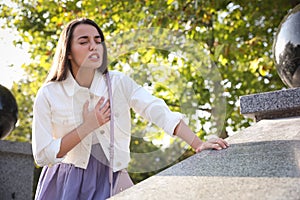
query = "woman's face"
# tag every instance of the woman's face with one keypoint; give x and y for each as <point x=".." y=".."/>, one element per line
<point x="86" y="48"/>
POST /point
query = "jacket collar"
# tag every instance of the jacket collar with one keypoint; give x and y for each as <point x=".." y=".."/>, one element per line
<point x="98" y="85"/>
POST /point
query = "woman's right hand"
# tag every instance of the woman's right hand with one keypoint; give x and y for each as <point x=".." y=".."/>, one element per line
<point x="97" y="116"/>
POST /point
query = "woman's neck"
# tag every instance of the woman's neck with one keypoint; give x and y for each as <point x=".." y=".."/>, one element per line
<point x="84" y="76"/>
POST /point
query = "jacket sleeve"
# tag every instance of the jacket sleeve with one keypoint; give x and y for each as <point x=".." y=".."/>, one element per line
<point x="150" y="107"/>
<point x="44" y="146"/>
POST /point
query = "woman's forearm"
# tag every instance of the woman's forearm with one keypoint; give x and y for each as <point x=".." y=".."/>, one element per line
<point x="186" y="134"/>
<point x="70" y="140"/>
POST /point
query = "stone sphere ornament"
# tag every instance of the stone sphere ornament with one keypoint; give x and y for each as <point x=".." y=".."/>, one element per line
<point x="286" y="48"/>
<point x="8" y="112"/>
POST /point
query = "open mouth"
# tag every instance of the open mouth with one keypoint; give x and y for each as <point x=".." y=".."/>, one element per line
<point x="94" y="56"/>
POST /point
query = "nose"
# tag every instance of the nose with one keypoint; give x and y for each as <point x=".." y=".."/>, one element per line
<point x="93" y="46"/>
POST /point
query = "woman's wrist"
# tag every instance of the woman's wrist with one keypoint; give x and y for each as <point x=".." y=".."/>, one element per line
<point x="187" y="135"/>
<point x="196" y="143"/>
<point x="84" y="129"/>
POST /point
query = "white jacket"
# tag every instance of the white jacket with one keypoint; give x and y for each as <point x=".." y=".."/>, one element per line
<point x="58" y="110"/>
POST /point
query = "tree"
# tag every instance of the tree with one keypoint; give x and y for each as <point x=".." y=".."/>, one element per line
<point x="236" y="35"/>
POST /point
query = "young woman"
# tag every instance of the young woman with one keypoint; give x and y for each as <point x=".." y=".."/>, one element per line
<point x="71" y="133"/>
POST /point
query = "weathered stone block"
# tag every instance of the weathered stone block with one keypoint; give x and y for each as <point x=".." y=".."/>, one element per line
<point x="16" y="170"/>
<point x="271" y="105"/>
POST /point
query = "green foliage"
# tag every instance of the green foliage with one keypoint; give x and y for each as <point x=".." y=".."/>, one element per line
<point x="238" y="36"/>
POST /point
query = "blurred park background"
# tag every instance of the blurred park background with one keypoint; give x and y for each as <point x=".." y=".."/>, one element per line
<point x="238" y="36"/>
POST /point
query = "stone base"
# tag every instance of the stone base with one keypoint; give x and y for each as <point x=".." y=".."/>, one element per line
<point x="271" y="105"/>
<point x="17" y="170"/>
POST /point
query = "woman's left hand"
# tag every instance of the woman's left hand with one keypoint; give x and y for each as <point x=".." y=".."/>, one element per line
<point x="213" y="143"/>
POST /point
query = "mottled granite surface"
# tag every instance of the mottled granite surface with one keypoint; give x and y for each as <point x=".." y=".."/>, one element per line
<point x="16" y="170"/>
<point x="270" y="105"/>
<point x="263" y="162"/>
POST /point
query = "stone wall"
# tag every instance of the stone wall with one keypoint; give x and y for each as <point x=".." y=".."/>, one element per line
<point x="16" y="170"/>
<point x="263" y="162"/>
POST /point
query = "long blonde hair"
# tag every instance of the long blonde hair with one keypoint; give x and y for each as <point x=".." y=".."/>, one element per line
<point x="61" y="63"/>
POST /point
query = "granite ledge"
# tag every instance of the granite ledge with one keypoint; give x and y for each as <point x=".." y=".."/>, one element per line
<point x="271" y="105"/>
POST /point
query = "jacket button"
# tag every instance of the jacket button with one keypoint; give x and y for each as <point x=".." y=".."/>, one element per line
<point x="119" y="164"/>
<point x="116" y="114"/>
<point x="102" y="131"/>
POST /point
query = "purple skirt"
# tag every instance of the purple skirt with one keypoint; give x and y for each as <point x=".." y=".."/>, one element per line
<point x="67" y="182"/>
